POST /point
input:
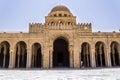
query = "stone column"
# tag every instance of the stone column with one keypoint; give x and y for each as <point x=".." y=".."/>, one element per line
<point x="11" y="65"/>
<point x="108" y="57"/>
<point x="4" y="60"/>
<point x="88" y="55"/>
<point x="13" y="58"/>
<point x="71" y="58"/>
<point x="29" y="57"/>
<point x="4" y="53"/>
<point x="113" y="56"/>
<point x="101" y="63"/>
<point x="84" y="57"/>
<point x="18" y="62"/>
<point x="92" y="58"/>
<point x="18" y="55"/>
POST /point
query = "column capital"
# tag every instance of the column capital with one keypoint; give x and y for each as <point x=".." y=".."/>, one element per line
<point x="11" y="51"/>
<point x="71" y="47"/>
<point x="28" y="50"/>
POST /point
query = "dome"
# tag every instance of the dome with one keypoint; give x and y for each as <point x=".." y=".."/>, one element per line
<point x="60" y="8"/>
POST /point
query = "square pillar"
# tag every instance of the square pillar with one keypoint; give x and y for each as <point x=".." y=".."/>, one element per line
<point x="76" y="58"/>
<point x="71" y="58"/>
<point x="46" y="58"/>
<point x="51" y="59"/>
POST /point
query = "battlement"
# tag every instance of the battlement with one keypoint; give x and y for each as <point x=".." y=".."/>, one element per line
<point x="38" y="27"/>
<point x="35" y="27"/>
<point x="84" y="27"/>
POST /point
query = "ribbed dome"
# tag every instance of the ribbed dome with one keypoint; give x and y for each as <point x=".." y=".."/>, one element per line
<point x="60" y="8"/>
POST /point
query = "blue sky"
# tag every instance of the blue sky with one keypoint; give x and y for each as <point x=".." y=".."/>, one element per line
<point x="15" y="15"/>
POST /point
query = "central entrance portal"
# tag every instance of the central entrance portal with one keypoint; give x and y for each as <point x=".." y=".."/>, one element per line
<point x="60" y="53"/>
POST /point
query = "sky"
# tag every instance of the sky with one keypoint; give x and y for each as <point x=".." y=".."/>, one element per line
<point x="15" y="15"/>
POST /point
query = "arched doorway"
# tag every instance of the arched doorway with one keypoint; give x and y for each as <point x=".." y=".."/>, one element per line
<point x="85" y="55"/>
<point x="36" y="55"/>
<point x="4" y="54"/>
<point x="60" y="53"/>
<point x="100" y="54"/>
<point x="115" y="61"/>
<point x="21" y="55"/>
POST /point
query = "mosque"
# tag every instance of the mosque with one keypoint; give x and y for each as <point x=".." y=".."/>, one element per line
<point x="60" y="42"/>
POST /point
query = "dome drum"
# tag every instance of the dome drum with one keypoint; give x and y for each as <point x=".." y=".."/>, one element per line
<point x="62" y="13"/>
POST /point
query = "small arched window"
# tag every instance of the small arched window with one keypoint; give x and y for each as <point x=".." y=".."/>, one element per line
<point x="55" y="15"/>
<point x="60" y="22"/>
<point x="65" y="15"/>
<point x="60" y="15"/>
<point x="52" y="23"/>
<point x="69" y="23"/>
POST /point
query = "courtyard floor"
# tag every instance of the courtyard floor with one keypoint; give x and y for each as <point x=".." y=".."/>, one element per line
<point x="60" y="74"/>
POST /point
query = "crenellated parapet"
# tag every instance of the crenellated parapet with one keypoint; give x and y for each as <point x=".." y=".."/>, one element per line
<point x="84" y="27"/>
<point x="35" y="27"/>
<point x="39" y="27"/>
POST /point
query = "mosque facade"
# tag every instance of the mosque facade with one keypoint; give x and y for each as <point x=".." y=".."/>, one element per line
<point x="60" y="42"/>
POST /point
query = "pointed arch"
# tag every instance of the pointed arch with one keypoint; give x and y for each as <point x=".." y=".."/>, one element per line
<point x="36" y="55"/>
<point x="4" y="54"/>
<point x="114" y="54"/>
<point x="21" y="55"/>
<point x="61" y="53"/>
<point x="85" y="55"/>
<point x="100" y="54"/>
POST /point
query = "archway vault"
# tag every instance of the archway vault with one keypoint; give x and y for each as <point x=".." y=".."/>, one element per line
<point x="100" y="51"/>
<point x="4" y="54"/>
<point x="85" y="55"/>
<point x="36" y="55"/>
<point x="60" y="52"/>
<point x="21" y="55"/>
<point x="64" y="36"/>
<point x="114" y="54"/>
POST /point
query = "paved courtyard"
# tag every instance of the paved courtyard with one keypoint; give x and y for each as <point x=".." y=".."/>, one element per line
<point x="61" y="74"/>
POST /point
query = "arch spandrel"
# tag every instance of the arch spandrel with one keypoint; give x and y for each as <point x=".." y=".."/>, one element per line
<point x="33" y="43"/>
<point x="64" y="36"/>
<point x="37" y="41"/>
<point x="8" y="41"/>
<point x="103" y="42"/>
<point x="115" y="41"/>
<point x="17" y="41"/>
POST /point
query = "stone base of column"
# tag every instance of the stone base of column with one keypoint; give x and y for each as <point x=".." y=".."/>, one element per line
<point x="76" y="66"/>
<point x="10" y="67"/>
<point x="28" y="67"/>
<point x="93" y="66"/>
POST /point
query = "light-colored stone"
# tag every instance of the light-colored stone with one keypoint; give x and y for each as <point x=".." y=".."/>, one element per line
<point x="60" y="23"/>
